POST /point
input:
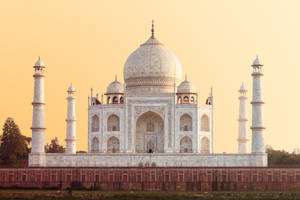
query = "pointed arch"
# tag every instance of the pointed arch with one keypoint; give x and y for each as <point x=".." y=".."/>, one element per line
<point x="186" y="123"/>
<point x="95" y="123"/>
<point x="113" y="145"/>
<point x="204" y="123"/>
<point x="113" y="123"/>
<point x="115" y="100"/>
<point x="179" y="100"/>
<point x="186" y="145"/>
<point x="186" y="100"/>
<point x="205" y="147"/>
<point x="95" y="145"/>
<point x="108" y="100"/>
<point x="121" y="100"/>
<point x="149" y="133"/>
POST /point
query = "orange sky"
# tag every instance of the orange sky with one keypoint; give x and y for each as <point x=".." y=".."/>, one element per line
<point x="87" y="43"/>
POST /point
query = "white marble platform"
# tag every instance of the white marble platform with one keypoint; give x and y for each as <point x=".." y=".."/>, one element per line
<point x="146" y="159"/>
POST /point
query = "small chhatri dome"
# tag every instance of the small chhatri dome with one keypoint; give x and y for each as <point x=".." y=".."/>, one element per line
<point x="256" y="62"/>
<point x="71" y="89"/>
<point x="115" y="87"/>
<point x="39" y="63"/>
<point x="186" y="87"/>
<point x="152" y="68"/>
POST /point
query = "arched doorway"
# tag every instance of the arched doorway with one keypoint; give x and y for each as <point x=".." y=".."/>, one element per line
<point x="113" y="145"/>
<point x="149" y="134"/>
<point x="186" y="145"/>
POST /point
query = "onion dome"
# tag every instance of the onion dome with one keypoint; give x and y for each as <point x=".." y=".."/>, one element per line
<point x="115" y="87"/>
<point x="39" y="63"/>
<point x="186" y="87"/>
<point x="152" y="67"/>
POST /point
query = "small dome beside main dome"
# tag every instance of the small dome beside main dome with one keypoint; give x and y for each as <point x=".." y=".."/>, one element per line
<point x="186" y="87"/>
<point x="115" y="88"/>
<point x="152" y="67"/>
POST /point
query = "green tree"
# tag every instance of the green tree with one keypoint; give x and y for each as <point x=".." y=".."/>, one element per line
<point x="54" y="147"/>
<point x="282" y="158"/>
<point x="14" y="146"/>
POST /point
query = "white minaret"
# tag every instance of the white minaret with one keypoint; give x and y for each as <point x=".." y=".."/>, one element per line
<point x="243" y="133"/>
<point x="71" y="122"/>
<point x="258" y="144"/>
<point x="38" y="126"/>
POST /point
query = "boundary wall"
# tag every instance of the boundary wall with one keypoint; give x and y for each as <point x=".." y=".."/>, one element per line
<point x="153" y="178"/>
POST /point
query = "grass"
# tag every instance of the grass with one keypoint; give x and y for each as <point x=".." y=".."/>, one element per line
<point x="146" y="195"/>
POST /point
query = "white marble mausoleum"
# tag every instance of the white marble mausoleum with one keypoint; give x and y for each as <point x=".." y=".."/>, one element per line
<point x="154" y="118"/>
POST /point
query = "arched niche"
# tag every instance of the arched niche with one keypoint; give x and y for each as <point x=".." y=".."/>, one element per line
<point x="95" y="123"/>
<point x="204" y="123"/>
<point x="186" y="123"/>
<point x="149" y="134"/>
<point x="205" y="147"/>
<point x="95" y="145"/>
<point x="113" y="145"/>
<point x="113" y="123"/>
<point x="186" y="145"/>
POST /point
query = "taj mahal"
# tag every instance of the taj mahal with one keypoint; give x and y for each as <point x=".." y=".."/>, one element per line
<point x="153" y="119"/>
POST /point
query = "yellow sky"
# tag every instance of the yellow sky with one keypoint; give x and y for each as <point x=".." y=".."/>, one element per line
<point x="87" y="43"/>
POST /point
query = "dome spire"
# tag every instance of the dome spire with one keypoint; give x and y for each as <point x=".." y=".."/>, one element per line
<point x="116" y="77"/>
<point x="152" y="30"/>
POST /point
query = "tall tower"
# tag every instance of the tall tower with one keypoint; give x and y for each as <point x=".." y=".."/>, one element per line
<point x="258" y="144"/>
<point x="243" y="133"/>
<point x="71" y="122"/>
<point x="38" y="126"/>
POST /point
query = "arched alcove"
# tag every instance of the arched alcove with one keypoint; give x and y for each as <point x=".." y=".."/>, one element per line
<point x="205" y="149"/>
<point x="95" y="123"/>
<point x="95" y="145"/>
<point x="186" y="145"/>
<point x="149" y="135"/>
<point x="204" y="123"/>
<point x="113" y="145"/>
<point x="113" y="123"/>
<point x="186" y="123"/>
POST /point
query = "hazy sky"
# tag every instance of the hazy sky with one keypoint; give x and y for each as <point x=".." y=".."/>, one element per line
<point x="87" y="42"/>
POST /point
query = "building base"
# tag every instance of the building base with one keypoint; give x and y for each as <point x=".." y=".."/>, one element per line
<point x="147" y="160"/>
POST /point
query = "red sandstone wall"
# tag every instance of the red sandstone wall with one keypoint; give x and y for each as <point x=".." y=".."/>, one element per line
<point x="157" y="178"/>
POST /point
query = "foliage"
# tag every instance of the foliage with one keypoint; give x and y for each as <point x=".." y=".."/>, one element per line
<point x="282" y="158"/>
<point x="54" y="147"/>
<point x="14" y="146"/>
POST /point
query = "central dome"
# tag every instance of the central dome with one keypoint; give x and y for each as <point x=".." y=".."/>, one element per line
<point x="152" y="68"/>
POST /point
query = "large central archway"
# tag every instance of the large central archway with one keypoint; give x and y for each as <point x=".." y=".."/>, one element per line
<point x="149" y="135"/>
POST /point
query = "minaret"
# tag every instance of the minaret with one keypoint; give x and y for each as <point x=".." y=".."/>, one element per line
<point x="258" y="144"/>
<point x="243" y="133"/>
<point x="71" y="122"/>
<point x="38" y="126"/>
